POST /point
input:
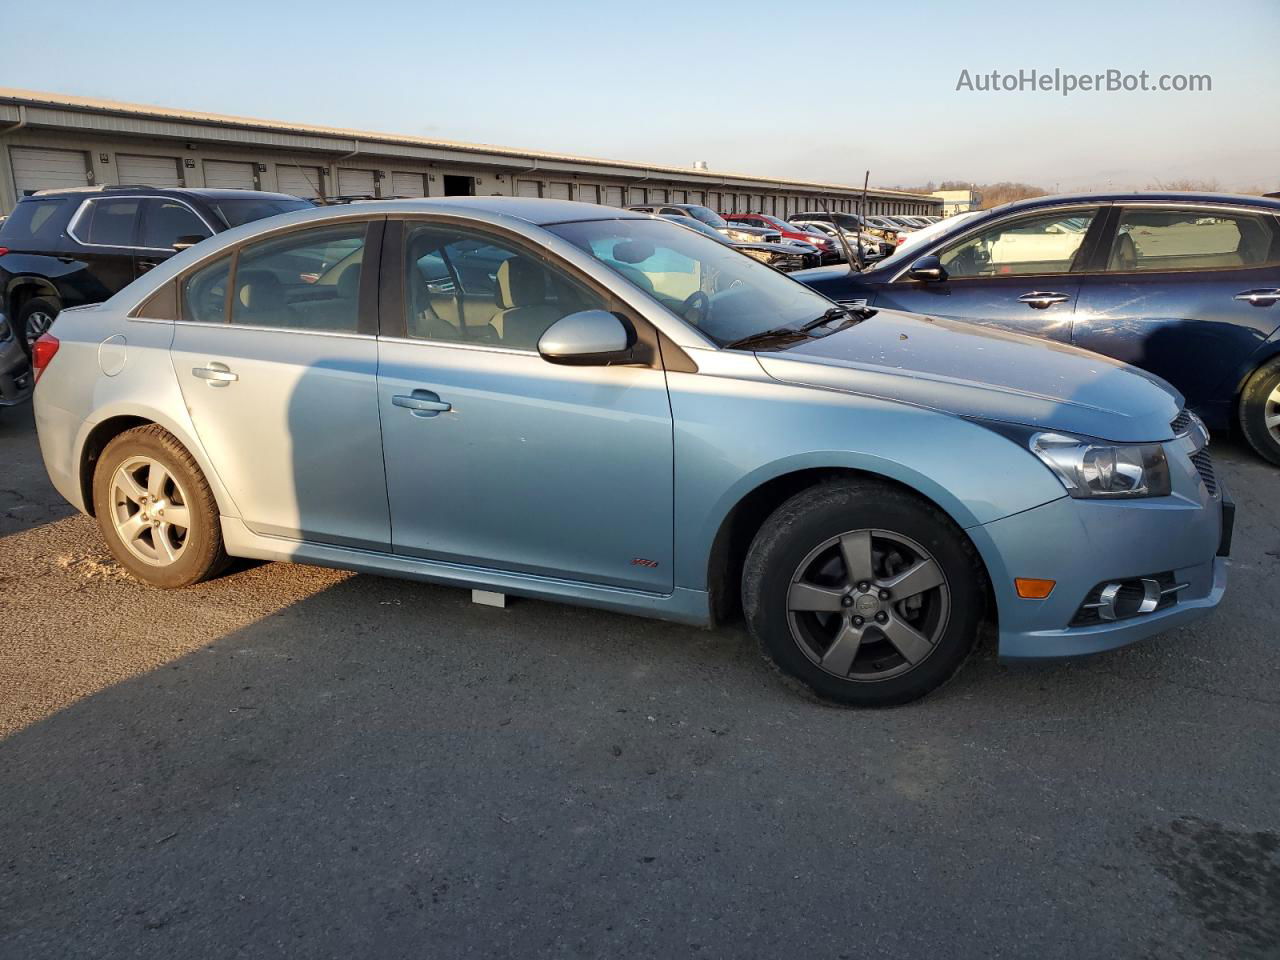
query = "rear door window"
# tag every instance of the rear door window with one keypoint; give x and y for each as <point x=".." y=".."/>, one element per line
<point x="109" y="222"/>
<point x="1191" y="239"/>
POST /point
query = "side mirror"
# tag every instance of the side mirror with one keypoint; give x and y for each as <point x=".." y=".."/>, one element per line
<point x="587" y="338"/>
<point x="928" y="269"/>
<point x="184" y="243"/>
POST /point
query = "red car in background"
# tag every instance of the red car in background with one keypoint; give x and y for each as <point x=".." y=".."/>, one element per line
<point x="828" y="247"/>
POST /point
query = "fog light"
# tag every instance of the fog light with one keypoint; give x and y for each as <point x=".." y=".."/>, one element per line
<point x="1029" y="588"/>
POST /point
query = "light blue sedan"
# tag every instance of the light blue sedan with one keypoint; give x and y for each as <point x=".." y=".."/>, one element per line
<point x="583" y="404"/>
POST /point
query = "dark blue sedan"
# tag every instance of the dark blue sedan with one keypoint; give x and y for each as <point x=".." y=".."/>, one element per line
<point x="1184" y="285"/>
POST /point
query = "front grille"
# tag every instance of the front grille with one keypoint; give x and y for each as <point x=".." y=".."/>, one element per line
<point x="1127" y="600"/>
<point x="1181" y="422"/>
<point x="1204" y="467"/>
<point x="788" y="262"/>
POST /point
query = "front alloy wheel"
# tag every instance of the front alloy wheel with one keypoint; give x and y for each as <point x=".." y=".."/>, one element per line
<point x="863" y="591"/>
<point x="868" y="604"/>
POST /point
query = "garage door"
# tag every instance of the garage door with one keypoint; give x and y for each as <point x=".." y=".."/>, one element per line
<point x="228" y="175"/>
<point x="588" y="193"/>
<point x="356" y="183"/>
<point x="38" y="169"/>
<point x="408" y="185"/>
<point x="558" y="191"/>
<point x="528" y="188"/>
<point x="149" y="171"/>
<point x="613" y="196"/>
<point x="305" y="182"/>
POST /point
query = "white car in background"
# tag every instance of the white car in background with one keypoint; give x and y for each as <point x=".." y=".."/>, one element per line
<point x="931" y="231"/>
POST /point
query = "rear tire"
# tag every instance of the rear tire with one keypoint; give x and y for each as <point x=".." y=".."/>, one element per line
<point x="35" y="317"/>
<point x="864" y="592"/>
<point x="155" y="510"/>
<point x="1260" y="411"/>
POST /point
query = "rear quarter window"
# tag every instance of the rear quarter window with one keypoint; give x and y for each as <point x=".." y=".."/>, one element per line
<point x="35" y="224"/>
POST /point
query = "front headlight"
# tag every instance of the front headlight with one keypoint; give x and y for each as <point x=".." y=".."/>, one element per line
<point x="1104" y="470"/>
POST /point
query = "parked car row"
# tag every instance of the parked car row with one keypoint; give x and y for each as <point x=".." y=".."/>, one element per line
<point x="607" y="407"/>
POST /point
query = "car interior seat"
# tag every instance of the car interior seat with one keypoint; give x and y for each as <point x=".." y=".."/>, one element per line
<point x="1124" y="253"/>
<point x="260" y="299"/>
<point x="522" y="296"/>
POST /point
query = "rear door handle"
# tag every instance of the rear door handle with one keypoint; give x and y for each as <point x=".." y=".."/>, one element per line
<point x="218" y="374"/>
<point x="422" y="403"/>
<point x="1260" y="298"/>
<point x="1040" y="300"/>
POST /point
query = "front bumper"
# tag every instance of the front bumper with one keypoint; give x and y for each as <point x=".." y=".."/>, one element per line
<point x="1081" y="543"/>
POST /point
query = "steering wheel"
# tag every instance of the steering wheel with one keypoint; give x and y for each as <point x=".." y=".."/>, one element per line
<point x="696" y="308"/>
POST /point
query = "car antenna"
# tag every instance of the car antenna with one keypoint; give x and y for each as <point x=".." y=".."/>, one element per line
<point x="844" y="241"/>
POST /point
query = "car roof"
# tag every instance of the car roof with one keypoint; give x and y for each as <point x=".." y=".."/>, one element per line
<point x="132" y="189"/>
<point x="1145" y="196"/>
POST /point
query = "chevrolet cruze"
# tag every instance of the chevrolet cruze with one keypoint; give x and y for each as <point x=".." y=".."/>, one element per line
<point x="590" y="405"/>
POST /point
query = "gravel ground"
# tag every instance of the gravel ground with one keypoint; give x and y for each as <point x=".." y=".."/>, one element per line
<point x="295" y="762"/>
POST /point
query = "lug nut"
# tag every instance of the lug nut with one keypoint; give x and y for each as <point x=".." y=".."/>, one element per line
<point x="846" y="601"/>
<point x="864" y="587"/>
<point x="884" y="594"/>
<point x="882" y="617"/>
<point x="858" y="621"/>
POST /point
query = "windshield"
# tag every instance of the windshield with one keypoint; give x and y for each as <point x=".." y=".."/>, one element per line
<point x="234" y="212"/>
<point x="725" y="295"/>
<point x="706" y="215"/>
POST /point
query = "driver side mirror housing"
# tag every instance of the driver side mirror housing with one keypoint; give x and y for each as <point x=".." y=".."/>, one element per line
<point x="928" y="269"/>
<point x="588" y="338"/>
<point x="185" y="243"/>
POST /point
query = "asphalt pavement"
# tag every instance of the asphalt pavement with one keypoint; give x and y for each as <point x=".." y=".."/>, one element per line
<point x="297" y="762"/>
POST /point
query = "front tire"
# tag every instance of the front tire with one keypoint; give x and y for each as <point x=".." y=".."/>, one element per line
<point x="864" y="592"/>
<point x="155" y="510"/>
<point x="1260" y="411"/>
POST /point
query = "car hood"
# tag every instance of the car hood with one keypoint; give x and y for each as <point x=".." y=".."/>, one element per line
<point x="980" y="372"/>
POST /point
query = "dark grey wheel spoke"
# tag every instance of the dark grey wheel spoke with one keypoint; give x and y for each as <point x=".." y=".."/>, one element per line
<point x="806" y="596"/>
<point x="906" y="639"/>
<point x="925" y="575"/>
<point x="841" y="654"/>
<point x="856" y="549"/>
<point x="868" y="605"/>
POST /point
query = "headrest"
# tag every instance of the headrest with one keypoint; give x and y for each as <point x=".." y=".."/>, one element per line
<point x="633" y="251"/>
<point x="260" y="291"/>
<point x="521" y="283"/>
<point x="349" y="282"/>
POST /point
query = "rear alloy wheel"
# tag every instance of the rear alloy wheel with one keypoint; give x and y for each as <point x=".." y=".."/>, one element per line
<point x="36" y="317"/>
<point x="155" y="509"/>
<point x="1260" y="411"/>
<point x="864" y="592"/>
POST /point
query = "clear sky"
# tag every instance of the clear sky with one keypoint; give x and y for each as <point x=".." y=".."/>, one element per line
<point x="813" y="90"/>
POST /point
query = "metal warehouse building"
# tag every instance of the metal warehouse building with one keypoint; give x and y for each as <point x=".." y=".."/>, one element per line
<point x="51" y="140"/>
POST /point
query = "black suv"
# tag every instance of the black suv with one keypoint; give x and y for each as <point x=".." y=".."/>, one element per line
<point x="63" y="248"/>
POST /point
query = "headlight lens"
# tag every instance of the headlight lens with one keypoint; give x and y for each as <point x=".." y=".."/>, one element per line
<point x="1088" y="469"/>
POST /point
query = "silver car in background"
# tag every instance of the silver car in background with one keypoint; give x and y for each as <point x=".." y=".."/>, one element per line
<point x="590" y="405"/>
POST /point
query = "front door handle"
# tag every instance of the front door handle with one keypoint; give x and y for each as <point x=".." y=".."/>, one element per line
<point x="145" y="265"/>
<point x="422" y="403"/>
<point x="1040" y="300"/>
<point x="1260" y="298"/>
<point x="218" y="374"/>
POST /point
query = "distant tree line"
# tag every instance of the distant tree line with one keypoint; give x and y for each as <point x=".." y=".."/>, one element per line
<point x="994" y="194"/>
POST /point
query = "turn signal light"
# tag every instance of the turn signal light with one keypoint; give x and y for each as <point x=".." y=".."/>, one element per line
<point x="1030" y="588"/>
<point x="42" y="352"/>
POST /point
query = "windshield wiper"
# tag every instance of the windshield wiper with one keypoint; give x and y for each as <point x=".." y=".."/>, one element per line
<point x="784" y="334"/>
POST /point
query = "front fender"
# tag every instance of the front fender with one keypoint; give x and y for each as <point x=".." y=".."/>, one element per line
<point x="729" y="443"/>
